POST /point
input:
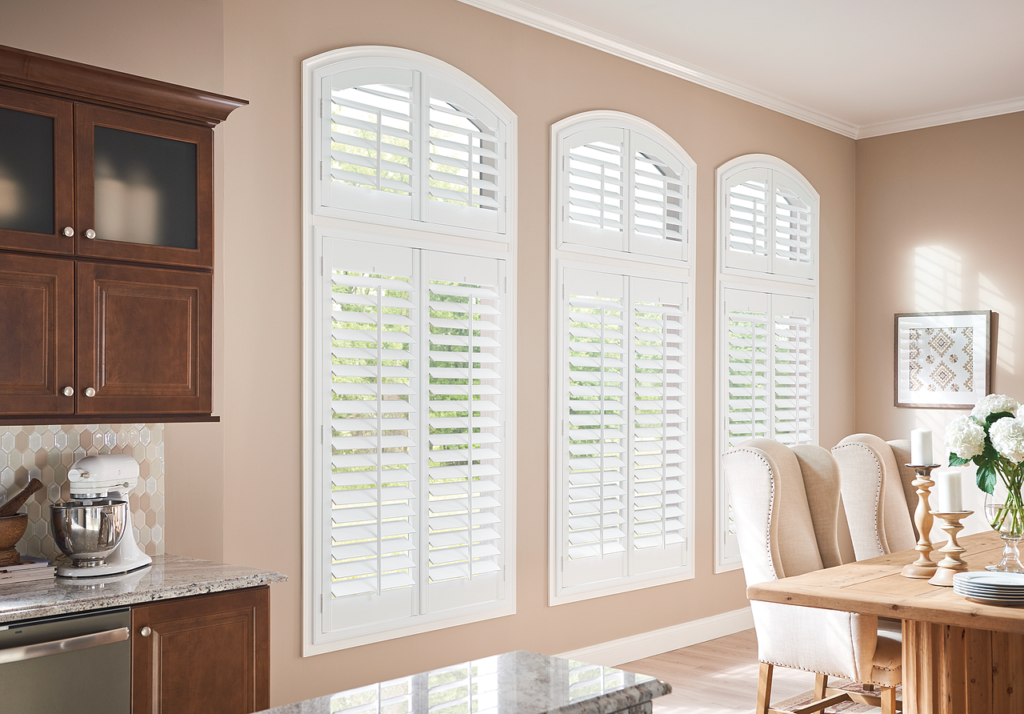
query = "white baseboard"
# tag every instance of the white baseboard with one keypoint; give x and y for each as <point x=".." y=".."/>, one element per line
<point x="648" y="644"/>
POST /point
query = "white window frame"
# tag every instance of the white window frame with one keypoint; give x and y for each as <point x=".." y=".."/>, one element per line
<point x="408" y="234"/>
<point x="634" y="125"/>
<point x="755" y="281"/>
<point x="621" y="263"/>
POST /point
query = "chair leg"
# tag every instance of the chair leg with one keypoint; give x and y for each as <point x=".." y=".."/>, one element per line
<point x="820" y="687"/>
<point x="764" y="688"/>
<point x="888" y="699"/>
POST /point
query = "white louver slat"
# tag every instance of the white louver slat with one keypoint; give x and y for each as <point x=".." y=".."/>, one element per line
<point x="465" y="418"/>
<point x="659" y="434"/>
<point x="594" y="187"/>
<point x="467" y="688"/>
<point x="625" y="402"/>
<point x="746" y="208"/>
<point x="466" y="157"/>
<point x="660" y="201"/>
<point x="369" y="137"/>
<point x="793" y="383"/>
<point x="373" y="391"/>
<point x="413" y="392"/>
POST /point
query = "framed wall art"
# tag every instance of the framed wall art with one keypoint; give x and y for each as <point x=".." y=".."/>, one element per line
<point x="943" y="359"/>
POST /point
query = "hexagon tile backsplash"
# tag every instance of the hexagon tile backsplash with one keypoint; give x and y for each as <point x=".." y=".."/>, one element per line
<point x="47" y="452"/>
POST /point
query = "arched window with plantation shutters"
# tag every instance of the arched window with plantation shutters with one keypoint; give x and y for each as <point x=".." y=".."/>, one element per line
<point x="621" y="184"/>
<point x="409" y="375"/>
<point x="767" y="365"/>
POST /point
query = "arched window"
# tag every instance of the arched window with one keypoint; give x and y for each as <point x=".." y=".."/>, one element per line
<point x="767" y="366"/>
<point x="409" y="356"/>
<point x="404" y="136"/>
<point x="622" y="184"/>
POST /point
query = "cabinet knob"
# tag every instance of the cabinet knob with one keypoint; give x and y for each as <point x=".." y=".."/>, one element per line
<point x="68" y="391"/>
<point x="69" y="232"/>
<point x="145" y="632"/>
<point x="90" y="392"/>
<point x="90" y="234"/>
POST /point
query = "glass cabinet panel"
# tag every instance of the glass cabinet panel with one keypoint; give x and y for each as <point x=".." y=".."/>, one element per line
<point x="145" y="189"/>
<point x="26" y="172"/>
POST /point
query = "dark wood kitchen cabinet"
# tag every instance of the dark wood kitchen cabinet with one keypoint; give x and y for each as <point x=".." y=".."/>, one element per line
<point x="114" y="173"/>
<point x="201" y="654"/>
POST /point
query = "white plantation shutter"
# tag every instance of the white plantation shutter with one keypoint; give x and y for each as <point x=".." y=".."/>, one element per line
<point x="393" y="697"/>
<point x="466" y="170"/>
<point x="414" y="475"/>
<point x="768" y="378"/>
<point x="745" y="195"/>
<point x="793" y="383"/>
<point x="622" y="185"/>
<point x="408" y="141"/>
<point x="370" y="143"/>
<point x="465" y="421"/>
<point x="467" y="688"/>
<point x="794" y="228"/>
<point x="594" y="185"/>
<point x="660" y="195"/>
<point x="768" y="222"/>
<point x="624" y="461"/>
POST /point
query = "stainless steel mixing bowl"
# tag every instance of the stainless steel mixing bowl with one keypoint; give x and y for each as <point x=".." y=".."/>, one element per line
<point x="88" y="531"/>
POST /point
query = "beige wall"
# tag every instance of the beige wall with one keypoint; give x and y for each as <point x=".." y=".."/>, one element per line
<point x="938" y="229"/>
<point x="255" y="51"/>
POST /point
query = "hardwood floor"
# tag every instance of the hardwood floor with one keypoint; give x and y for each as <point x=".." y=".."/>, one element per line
<point x="716" y="677"/>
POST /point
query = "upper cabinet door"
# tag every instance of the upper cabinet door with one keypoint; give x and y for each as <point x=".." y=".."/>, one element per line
<point x="144" y="188"/>
<point x="36" y="173"/>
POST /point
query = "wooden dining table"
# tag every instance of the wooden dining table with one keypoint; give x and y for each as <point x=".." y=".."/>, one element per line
<point x="959" y="656"/>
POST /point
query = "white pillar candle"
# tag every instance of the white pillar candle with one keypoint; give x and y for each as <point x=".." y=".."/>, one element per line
<point x="947" y="488"/>
<point x="921" y="447"/>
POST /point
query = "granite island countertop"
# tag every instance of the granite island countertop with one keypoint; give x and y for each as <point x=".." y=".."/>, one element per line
<point x="511" y="683"/>
<point x="169" y="576"/>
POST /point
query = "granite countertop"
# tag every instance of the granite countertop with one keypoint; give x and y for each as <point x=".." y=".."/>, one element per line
<point x="169" y="576"/>
<point x="512" y="683"/>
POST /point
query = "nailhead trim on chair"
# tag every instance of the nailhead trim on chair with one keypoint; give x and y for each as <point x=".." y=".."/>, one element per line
<point x="771" y="505"/>
<point x="878" y="492"/>
<point x="840" y="676"/>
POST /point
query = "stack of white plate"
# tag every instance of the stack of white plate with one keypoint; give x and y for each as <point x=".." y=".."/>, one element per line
<point x="991" y="588"/>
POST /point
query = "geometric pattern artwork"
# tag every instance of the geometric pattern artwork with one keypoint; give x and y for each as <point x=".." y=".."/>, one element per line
<point x="47" y="452"/>
<point x="941" y="359"/>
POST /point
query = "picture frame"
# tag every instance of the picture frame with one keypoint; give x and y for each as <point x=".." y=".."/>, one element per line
<point x="942" y="359"/>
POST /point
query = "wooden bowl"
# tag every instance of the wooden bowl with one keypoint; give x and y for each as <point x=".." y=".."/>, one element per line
<point x="12" y="528"/>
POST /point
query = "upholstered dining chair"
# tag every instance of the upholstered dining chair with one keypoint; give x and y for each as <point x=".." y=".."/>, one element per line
<point x="785" y="504"/>
<point x="877" y="494"/>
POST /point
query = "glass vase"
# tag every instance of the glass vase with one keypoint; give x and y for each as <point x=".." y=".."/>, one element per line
<point x="1005" y="513"/>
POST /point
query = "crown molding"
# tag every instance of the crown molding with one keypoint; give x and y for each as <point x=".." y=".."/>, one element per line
<point x="577" y="32"/>
<point x="571" y="30"/>
<point x="950" y="116"/>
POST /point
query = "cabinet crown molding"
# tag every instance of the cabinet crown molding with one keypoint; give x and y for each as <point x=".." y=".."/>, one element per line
<point x="95" y="85"/>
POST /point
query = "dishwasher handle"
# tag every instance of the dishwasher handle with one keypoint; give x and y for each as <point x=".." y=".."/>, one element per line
<point x="69" y="644"/>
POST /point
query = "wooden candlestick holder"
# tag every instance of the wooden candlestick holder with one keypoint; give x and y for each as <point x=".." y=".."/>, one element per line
<point x="923" y="567"/>
<point x="952" y="563"/>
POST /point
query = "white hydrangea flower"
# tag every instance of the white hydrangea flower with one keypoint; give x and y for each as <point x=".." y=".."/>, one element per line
<point x="993" y="404"/>
<point x="1008" y="438"/>
<point x="965" y="437"/>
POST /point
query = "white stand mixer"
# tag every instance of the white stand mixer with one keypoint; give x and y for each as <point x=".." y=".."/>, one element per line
<point x="107" y="476"/>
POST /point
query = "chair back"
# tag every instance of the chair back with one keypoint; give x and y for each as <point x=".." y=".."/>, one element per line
<point x="785" y="503"/>
<point x="875" y="489"/>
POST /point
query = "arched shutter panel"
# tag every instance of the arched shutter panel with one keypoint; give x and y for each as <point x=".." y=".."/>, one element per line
<point x="594" y="187"/>
<point x="660" y="200"/>
<point x="793" y="228"/>
<point x="746" y="205"/>
<point x="466" y="171"/>
<point x="370" y="143"/>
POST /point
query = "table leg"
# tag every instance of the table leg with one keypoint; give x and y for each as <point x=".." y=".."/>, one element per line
<point x="956" y="670"/>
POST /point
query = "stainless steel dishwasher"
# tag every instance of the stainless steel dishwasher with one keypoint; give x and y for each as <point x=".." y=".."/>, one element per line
<point x="79" y="663"/>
